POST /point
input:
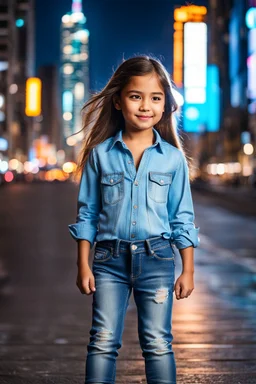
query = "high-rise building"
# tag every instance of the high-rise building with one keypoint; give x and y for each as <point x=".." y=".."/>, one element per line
<point x="74" y="71"/>
<point x="16" y="64"/>
<point x="50" y="118"/>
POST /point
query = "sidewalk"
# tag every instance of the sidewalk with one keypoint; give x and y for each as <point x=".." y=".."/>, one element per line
<point x="240" y="199"/>
<point x="45" y="321"/>
<point x="214" y="333"/>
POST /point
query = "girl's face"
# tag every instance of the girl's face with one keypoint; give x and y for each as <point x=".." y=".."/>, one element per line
<point x="142" y="102"/>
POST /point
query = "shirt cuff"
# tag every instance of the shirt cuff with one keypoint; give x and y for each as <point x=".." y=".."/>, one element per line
<point x="185" y="237"/>
<point x="83" y="231"/>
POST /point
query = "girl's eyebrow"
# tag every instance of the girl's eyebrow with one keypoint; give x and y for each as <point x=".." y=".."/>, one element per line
<point x="152" y="93"/>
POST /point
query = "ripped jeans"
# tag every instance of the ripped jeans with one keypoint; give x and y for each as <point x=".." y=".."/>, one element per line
<point x="148" y="267"/>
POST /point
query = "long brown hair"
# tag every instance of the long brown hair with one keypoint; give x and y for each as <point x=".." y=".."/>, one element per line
<point x="102" y="120"/>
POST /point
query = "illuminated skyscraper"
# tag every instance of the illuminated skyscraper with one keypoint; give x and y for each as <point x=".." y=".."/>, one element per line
<point x="74" y="69"/>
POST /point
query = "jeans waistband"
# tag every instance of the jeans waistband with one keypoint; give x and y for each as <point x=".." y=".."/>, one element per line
<point x="135" y="246"/>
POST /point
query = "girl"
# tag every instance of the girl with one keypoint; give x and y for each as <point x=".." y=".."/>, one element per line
<point x="135" y="202"/>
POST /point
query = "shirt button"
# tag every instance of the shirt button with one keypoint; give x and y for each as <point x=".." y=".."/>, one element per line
<point x="134" y="223"/>
<point x="136" y="182"/>
<point x="161" y="181"/>
<point x="129" y="162"/>
<point x="134" y="247"/>
<point x="111" y="180"/>
<point x="135" y="206"/>
<point x="133" y="235"/>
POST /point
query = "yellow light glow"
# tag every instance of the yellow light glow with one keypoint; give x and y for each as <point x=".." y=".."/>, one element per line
<point x="69" y="167"/>
<point x="68" y="69"/>
<point x="178" y="26"/>
<point x="248" y="149"/>
<point x="71" y="141"/>
<point x="180" y="15"/>
<point x="79" y="91"/>
<point x="67" y="49"/>
<point x="33" y="96"/>
<point x="13" y="164"/>
<point x="52" y="160"/>
<point x="190" y="13"/>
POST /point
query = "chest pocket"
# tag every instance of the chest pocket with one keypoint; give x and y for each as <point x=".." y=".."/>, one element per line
<point x="159" y="186"/>
<point x="112" y="185"/>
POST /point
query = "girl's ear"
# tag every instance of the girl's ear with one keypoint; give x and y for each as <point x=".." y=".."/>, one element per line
<point x="116" y="102"/>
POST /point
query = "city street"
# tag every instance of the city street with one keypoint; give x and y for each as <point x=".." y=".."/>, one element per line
<point x="45" y="321"/>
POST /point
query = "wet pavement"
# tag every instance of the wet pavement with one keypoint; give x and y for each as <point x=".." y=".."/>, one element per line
<point x="45" y="321"/>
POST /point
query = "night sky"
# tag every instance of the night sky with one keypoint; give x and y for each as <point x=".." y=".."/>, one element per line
<point x="118" y="29"/>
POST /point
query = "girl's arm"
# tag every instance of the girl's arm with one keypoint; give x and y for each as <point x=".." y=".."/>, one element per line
<point x="85" y="229"/>
<point x="184" y="234"/>
<point x="185" y="283"/>
<point x="85" y="279"/>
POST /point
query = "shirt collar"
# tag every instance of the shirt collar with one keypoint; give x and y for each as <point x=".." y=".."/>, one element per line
<point x="119" y="138"/>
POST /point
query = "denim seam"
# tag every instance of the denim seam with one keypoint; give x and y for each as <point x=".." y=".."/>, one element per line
<point x="138" y="274"/>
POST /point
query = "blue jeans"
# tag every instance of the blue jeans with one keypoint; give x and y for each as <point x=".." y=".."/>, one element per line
<point x="148" y="267"/>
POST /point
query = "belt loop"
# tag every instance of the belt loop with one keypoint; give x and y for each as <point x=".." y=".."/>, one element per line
<point x="150" y="251"/>
<point x="116" y="249"/>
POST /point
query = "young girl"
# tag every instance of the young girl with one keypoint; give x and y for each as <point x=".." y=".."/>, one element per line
<point x="135" y="202"/>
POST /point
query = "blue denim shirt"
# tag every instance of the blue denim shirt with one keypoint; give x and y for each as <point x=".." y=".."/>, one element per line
<point x="116" y="201"/>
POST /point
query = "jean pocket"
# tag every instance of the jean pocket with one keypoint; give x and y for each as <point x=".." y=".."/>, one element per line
<point x="112" y="185"/>
<point x="159" y="186"/>
<point x="102" y="255"/>
<point x="164" y="253"/>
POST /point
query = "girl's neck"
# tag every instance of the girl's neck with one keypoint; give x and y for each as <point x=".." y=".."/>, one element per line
<point x="142" y="137"/>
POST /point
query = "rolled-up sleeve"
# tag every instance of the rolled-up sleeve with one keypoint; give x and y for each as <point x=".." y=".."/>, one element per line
<point x="89" y="203"/>
<point x="180" y="209"/>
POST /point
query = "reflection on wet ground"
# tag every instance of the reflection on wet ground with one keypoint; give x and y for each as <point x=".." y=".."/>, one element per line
<point x="45" y="322"/>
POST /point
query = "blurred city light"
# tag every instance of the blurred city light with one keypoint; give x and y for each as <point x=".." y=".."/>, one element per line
<point x="69" y="167"/>
<point x="68" y="69"/>
<point x="3" y="166"/>
<point x="13" y="164"/>
<point x="178" y="97"/>
<point x="33" y="96"/>
<point x="52" y="160"/>
<point x="28" y="166"/>
<point x="1" y="100"/>
<point x="220" y="169"/>
<point x="20" y="23"/>
<point x="8" y="177"/>
<point x="3" y="144"/>
<point x="251" y="18"/>
<point x="71" y="141"/>
<point x="248" y="149"/>
<point x="3" y="66"/>
<point x="67" y="116"/>
<point x="13" y="89"/>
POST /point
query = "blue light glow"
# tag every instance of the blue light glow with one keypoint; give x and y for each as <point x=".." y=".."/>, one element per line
<point x="250" y="18"/>
<point x="213" y="99"/>
<point x="67" y="101"/>
<point x="20" y="23"/>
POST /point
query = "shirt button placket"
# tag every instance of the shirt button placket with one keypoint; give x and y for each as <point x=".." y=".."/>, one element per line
<point x="135" y="192"/>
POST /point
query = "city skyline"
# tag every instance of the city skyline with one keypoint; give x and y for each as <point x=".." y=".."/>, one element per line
<point x="116" y="32"/>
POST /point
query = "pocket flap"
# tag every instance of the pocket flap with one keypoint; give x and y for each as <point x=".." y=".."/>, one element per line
<point x="160" y="178"/>
<point x="112" y="178"/>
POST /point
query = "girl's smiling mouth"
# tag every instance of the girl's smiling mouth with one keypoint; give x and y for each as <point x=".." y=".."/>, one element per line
<point x="141" y="117"/>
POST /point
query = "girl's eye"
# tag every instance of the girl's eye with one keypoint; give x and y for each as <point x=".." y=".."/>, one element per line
<point x="156" y="98"/>
<point x="134" y="96"/>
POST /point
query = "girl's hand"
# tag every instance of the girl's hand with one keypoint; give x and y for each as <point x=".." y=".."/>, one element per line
<point x="85" y="280"/>
<point x="184" y="285"/>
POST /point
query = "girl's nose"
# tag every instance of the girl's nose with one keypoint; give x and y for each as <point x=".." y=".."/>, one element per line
<point x="144" y="107"/>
